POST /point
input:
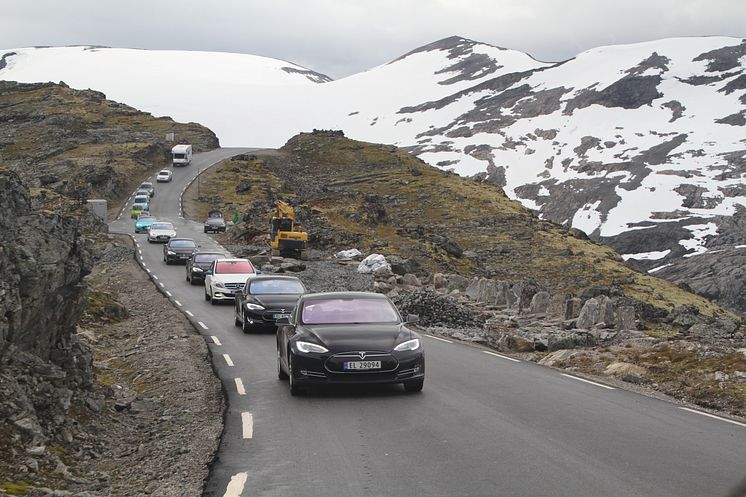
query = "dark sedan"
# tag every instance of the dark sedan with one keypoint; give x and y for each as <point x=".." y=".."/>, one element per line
<point x="178" y="250"/>
<point x="198" y="264"/>
<point x="348" y="337"/>
<point x="215" y="222"/>
<point x="264" y="300"/>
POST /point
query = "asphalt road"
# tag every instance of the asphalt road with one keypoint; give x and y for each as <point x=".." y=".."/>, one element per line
<point x="484" y="425"/>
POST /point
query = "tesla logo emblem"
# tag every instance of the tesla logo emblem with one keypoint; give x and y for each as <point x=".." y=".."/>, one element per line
<point x="361" y="354"/>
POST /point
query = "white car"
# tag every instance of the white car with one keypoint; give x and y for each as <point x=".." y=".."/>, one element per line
<point x="226" y="277"/>
<point x="161" y="231"/>
<point x="164" y="176"/>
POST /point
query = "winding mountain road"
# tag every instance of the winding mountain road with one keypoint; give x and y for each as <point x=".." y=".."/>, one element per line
<point x="484" y="425"/>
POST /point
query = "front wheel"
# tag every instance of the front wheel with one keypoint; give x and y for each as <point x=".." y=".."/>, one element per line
<point x="294" y="388"/>
<point x="281" y="374"/>
<point x="414" y="386"/>
<point x="207" y="296"/>
<point x="246" y="327"/>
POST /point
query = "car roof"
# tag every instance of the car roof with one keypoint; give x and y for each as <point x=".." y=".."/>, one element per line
<point x="164" y="171"/>
<point x="344" y="295"/>
<point x="263" y="277"/>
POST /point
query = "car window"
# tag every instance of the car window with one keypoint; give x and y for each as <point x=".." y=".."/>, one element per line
<point x="275" y="287"/>
<point x="207" y="257"/>
<point x="182" y="244"/>
<point x="162" y="226"/>
<point x="348" y="311"/>
<point x="146" y="186"/>
<point x="233" y="267"/>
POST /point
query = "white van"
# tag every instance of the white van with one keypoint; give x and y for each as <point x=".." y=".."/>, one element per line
<point x="182" y="155"/>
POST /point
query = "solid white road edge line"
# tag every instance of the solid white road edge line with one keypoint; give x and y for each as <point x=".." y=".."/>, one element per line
<point x="738" y="423"/>
<point x="437" y="338"/>
<point x="228" y="360"/>
<point x="235" y="486"/>
<point x="500" y="356"/>
<point x="177" y="303"/>
<point x="203" y="325"/>
<point x="247" y="420"/>
<point x="589" y="381"/>
<point x="239" y="387"/>
<point x="216" y="341"/>
<point x="189" y="313"/>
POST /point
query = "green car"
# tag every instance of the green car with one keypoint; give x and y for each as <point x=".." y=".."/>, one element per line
<point x="140" y="204"/>
<point x="142" y="225"/>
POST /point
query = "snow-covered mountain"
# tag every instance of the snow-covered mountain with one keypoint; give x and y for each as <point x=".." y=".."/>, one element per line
<point x="642" y="146"/>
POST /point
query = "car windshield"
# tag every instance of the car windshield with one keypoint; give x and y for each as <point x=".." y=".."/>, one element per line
<point x="233" y="267"/>
<point x="207" y="257"/>
<point x="182" y="244"/>
<point x="146" y="219"/>
<point x="146" y="186"/>
<point x="141" y="199"/>
<point x="139" y="206"/>
<point x="162" y="226"/>
<point x="275" y="287"/>
<point x="349" y="311"/>
<point x="164" y="173"/>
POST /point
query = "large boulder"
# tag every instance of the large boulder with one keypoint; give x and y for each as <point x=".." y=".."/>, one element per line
<point x="590" y="314"/>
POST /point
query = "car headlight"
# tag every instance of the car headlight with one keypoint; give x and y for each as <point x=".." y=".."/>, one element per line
<point x="170" y="252"/>
<point x="308" y="347"/>
<point x="254" y="307"/>
<point x="413" y="344"/>
<point x="196" y="269"/>
<point x="219" y="284"/>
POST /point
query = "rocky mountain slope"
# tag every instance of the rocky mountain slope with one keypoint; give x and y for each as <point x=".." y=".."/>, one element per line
<point x="59" y="146"/>
<point x="640" y="146"/>
<point x="465" y="257"/>
<point x="81" y="145"/>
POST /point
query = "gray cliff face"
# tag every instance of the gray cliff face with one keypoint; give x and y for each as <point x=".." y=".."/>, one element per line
<point x="44" y="260"/>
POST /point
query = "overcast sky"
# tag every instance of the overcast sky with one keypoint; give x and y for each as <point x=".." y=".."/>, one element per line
<point x="341" y="37"/>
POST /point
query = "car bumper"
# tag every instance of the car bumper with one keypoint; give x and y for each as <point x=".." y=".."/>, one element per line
<point x="141" y="230"/>
<point x="223" y="293"/>
<point x="311" y="370"/>
<point x="182" y="258"/>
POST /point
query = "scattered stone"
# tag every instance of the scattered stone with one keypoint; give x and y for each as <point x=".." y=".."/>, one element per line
<point x="589" y="314"/>
<point x="557" y="357"/>
<point x="371" y="263"/>
<point x="540" y="303"/>
<point x="619" y="369"/>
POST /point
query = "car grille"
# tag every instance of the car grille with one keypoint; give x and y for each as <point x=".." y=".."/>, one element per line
<point x="162" y="237"/>
<point x="335" y="364"/>
<point x="233" y="286"/>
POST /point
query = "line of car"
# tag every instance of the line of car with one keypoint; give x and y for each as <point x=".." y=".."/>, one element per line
<point x="322" y="338"/>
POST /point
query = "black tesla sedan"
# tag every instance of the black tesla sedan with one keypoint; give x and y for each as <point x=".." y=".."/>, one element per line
<point x="264" y="300"/>
<point x="198" y="264"/>
<point x="348" y="337"/>
<point x="178" y="250"/>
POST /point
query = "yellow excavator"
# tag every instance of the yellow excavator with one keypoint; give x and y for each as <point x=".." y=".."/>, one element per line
<point x="286" y="237"/>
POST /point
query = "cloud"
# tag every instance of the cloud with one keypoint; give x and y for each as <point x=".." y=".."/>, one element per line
<point x="341" y="37"/>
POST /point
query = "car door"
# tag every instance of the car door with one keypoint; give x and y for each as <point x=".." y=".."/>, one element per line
<point x="239" y="300"/>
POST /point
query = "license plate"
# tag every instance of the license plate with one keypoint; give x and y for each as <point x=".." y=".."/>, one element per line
<point x="358" y="365"/>
<point x="280" y="316"/>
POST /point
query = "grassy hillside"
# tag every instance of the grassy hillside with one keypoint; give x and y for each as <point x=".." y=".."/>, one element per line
<point x="377" y="197"/>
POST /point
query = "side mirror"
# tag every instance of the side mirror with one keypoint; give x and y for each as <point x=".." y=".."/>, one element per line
<point x="283" y="321"/>
<point x="208" y="272"/>
<point x="258" y="271"/>
<point x="413" y="319"/>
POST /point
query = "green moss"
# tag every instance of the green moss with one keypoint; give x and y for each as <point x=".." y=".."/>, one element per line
<point x="15" y="488"/>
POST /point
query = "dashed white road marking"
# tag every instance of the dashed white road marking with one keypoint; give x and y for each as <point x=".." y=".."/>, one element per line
<point x="148" y="270"/>
<point x="738" y="423"/>
<point x="500" y="356"/>
<point x="239" y="387"/>
<point x="228" y="360"/>
<point x="189" y="313"/>
<point x="162" y="285"/>
<point x="589" y="381"/>
<point x="235" y="486"/>
<point x="216" y="341"/>
<point x="203" y="325"/>
<point x="247" y="421"/>
<point x="177" y="303"/>
<point x="139" y="252"/>
<point x="155" y="277"/>
<point x="438" y="338"/>
<point x="168" y="293"/>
